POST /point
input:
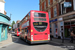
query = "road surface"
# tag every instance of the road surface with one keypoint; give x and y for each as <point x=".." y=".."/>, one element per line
<point x="21" y="45"/>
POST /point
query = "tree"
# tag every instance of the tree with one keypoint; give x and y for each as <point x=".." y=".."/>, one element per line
<point x="13" y="23"/>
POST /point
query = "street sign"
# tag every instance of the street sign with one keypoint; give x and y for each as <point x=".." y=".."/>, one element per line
<point x="67" y="4"/>
<point x="53" y="20"/>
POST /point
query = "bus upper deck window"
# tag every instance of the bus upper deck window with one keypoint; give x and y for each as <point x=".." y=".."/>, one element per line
<point x="39" y="14"/>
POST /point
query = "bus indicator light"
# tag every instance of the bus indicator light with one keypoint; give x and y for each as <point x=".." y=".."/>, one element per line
<point x="31" y="30"/>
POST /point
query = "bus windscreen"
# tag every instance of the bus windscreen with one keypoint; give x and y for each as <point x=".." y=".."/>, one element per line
<point x="40" y="26"/>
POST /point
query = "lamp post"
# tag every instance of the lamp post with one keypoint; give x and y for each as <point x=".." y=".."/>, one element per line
<point x="10" y="19"/>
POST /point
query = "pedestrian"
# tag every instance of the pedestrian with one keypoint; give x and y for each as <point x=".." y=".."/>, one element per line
<point x="71" y="37"/>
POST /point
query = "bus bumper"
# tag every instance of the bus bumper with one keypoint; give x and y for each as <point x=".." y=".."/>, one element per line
<point x="35" y="42"/>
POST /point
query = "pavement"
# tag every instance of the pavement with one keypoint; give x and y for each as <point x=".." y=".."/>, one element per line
<point x="22" y="45"/>
<point x="11" y="39"/>
<point x="66" y="42"/>
<point x="6" y="42"/>
<point x="14" y="42"/>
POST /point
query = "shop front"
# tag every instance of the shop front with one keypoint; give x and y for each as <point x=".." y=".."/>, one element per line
<point x="4" y="23"/>
<point x="69" y="24"/>
<point x="62" y="25"/>
<point x="54" y="28"/>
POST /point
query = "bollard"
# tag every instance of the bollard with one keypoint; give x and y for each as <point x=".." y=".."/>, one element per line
<point x="63" y="39"/>
<point x="51" y="38"/>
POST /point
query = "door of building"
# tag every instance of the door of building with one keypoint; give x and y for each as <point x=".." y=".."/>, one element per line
<point x="3" y="34"/>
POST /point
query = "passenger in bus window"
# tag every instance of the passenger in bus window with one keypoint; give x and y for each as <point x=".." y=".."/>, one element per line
<point x="27" y="30"/>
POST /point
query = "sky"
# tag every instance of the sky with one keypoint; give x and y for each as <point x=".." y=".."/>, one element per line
<point x="19" y="8"/>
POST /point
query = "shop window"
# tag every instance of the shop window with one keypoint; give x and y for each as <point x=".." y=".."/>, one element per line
<point x="73" y="22"/>
<point x="67" y="23"/>
<point x="55" y="25"/>
<point x="55" y="30"/>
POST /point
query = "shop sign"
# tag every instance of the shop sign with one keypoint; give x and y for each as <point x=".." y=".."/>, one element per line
<point x="60" y="19"/>
<point x="70" y="16"/>
<point x="67" y="4"/>
<point x="53" y="20"/>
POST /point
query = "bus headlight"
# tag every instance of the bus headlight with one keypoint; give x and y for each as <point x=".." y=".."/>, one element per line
<point x="31" y="37"/>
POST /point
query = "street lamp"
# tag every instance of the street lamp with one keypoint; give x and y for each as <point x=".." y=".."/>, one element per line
<point x="10" y="18"/>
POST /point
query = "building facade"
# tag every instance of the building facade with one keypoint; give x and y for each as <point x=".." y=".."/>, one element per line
<point x="4" y="22"/>
<point x="61" y="16"/>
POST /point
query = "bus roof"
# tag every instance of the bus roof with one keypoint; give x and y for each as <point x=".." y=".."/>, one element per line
<point x="34" y="11"/>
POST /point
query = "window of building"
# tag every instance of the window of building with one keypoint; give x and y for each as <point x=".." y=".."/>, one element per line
<point x="55" y="30"/>
<point x="49" y="12"/>
<point x="48" y="2"/>
<point x="55" y="12"/>
<point x="41" y="8"/>
<point x="60" y="0"/>
<point x="41" y="0"/>
<point x="45" y="5"/>
<point x="54" y="1"/>
<point x="63" y="9"/>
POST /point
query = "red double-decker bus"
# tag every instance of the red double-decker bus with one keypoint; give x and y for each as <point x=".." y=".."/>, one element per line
<point x="36" y="27"/>
<point x="17" y="31"/>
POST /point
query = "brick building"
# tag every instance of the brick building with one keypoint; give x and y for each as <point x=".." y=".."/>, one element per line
<point x="61" y="16"/>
